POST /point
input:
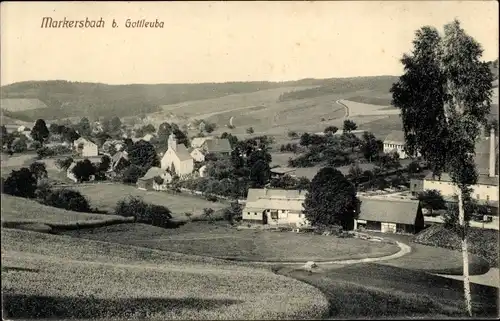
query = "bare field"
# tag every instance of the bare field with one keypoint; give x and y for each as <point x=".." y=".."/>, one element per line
<point x="105" y="197"/>
<point x="21" y="104"/>
<point x="64" y="277"/>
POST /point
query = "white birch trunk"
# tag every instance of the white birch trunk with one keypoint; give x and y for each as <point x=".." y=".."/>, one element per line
<point x="465" y="254"/>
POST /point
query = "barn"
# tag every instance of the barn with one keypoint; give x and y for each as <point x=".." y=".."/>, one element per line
<point x="390" y="215"/>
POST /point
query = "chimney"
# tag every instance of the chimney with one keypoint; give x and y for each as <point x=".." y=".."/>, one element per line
<point x="492" y="153"/>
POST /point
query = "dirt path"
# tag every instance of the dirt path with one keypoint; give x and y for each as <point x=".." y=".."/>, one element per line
<point x="403" y="250"/>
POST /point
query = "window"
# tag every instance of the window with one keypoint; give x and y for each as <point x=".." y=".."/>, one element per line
<point x="255" y="213"/>
<point x="274" y="215"/>
<point x="487" y="197"/>
<point x="477" y="196"/>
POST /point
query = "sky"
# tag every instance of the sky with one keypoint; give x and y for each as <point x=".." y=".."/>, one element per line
<point x="226" y="41"/>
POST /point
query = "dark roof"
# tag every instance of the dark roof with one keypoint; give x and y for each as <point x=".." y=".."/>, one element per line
<point x="395" y="137"/>
<point x="389" y="210"/>
<point x="221" y="145"/>
<point x="481" y="180"/>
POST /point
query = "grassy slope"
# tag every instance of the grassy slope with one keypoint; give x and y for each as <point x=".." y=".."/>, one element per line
<point x="105" y="197"/>
<point x="19" y="211"/>
<point x="201" y="238"/>
<point x="381" y="291"/>
<point x="58" y="276"/>
<point x="483" y="243"/>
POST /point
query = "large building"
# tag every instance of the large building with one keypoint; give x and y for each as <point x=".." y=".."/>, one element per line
<point x="486" y="188"/>
<point x="388" y="215"/>
<point x="395" y="142"/>
<point x="177" y="159"/>
<point x="85" y="147"/>
<point x="275" y="207"/>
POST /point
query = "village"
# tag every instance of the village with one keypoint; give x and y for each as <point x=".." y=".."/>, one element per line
<point x="307" y="166"/>
<point x="180" y="165"/>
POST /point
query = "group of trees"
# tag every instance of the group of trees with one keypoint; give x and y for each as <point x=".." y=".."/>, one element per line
<point x="31" y="182"/>
<point x="445" y="98"/>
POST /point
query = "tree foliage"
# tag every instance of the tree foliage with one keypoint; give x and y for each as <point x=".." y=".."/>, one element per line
<point x="349" y="126"/>
<point x="143" y="154"/>
<point x="40" y="132"/>
<point x="445" y="97"/>
<point x="432" y="200"/>
<point x="331" y="199"/>
<point x="21" y="183"/>
<point x="84" y="170"/>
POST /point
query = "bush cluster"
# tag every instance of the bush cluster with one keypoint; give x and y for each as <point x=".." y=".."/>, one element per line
<point x="143" y="212"/>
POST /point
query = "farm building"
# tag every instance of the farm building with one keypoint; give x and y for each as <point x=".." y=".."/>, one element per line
<point x="214" y="146"/>
<point x="275" y="207"/>
<point x="390" y="215"/>
<point x="486" y="160"/>
<point x="177" y="158"/>
<point x="85" y="147"/>
<point x="395" y="142"/>
<point x="149" y="180"/>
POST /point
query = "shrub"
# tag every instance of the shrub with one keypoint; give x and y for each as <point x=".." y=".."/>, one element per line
<point x="21" y="183"/>
<point x="250" y="130"/>
<point x="65" y="198"/>
<point x="19" y="145"/>
<point x="212" y="198"/>
<point x="143" y="212"/>
<point x="64" y="164"/>
<point x="132" y="174"/>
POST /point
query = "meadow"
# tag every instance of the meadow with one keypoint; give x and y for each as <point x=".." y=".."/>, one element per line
<point x="47" y="276"/>
<point x="105" y="196"/>
<point x="381" y="291"/>
<point x="220" y="241"/>
<point x="25" y="213"/>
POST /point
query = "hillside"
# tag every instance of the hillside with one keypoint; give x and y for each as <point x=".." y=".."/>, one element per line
<point x="69" y="99"/>
<point x="76" y="99"/>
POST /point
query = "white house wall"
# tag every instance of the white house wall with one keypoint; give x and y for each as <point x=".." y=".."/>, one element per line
<point x="485" y="192"/>
<point x="89" y="150"/>
<point x="399" y="148"/>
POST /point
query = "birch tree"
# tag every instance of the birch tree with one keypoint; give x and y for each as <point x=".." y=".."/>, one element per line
<point x="444" y="96"/>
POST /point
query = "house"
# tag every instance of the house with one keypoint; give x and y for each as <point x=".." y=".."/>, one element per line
<point x="23" y="129"/>
<point x="395" y="142"/>
<point x="197" y="142"/>
<point x="389" y="215"/>
<point x="281" y="171"/>
<point x="177" y="158"/>
<point x="275" y="207"/>
<point x="119" y="161"/>
<point x="148" y="181"/>
<point x="416" y="186"/>
<point x="216" y="146"/>
<point x="85" y="147"/>
<point x="486" y="159"/>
